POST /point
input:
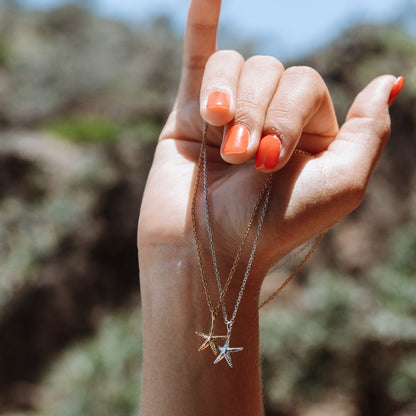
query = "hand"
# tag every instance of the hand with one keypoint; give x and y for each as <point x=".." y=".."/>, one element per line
<point x="256" y="98"/>
<point x="310" y="193"/>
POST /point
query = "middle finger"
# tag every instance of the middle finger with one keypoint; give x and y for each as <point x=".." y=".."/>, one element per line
<point x="257" y="84"/>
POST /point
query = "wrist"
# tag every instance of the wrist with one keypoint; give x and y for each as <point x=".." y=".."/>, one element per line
<point x="174" y="307"/>
<point x="175" y="267"/>
<point x="174" y="301"/>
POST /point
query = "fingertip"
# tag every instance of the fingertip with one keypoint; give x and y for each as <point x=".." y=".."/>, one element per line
<point x="236" y="140"/>
<point x="217" y="108"/>
<point x="219" y="87"/>
<point x="373" y="100"/>
<point x="395" y="91"/>
<point x="268" y="153"/>
<point x="235" y="144"/>
<point x="218" y="102"/>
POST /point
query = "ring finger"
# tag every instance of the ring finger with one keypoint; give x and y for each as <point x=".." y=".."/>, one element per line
<point x="301" y="114"/>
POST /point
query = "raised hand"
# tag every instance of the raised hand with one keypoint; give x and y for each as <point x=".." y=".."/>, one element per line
<point x="267" y="111"/>
<point x="258" y="113"/>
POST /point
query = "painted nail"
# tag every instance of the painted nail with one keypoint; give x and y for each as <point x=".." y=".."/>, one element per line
<point x="236" y="140"/>
<point x="218" y="102"/>
<point x="268" y="152"/>
<point x="397" y="87"/>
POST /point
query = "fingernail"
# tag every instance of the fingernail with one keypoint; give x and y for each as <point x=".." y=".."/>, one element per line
<point x="268" y="152"/>
<point x="218" y="102"/>
<point x="236" y="140"/>
<point x="395" y="91"/>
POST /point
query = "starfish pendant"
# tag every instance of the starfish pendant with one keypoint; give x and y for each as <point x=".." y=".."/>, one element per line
<point x="225" y="352"/>
<point x="210" y="341"/>
<point x="210" y="337"/>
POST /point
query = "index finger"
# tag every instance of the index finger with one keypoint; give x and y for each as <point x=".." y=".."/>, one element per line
<point x="199" y="44"/>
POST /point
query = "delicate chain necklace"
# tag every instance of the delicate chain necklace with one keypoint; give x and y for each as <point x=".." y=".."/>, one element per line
<point x="210" y="338"/>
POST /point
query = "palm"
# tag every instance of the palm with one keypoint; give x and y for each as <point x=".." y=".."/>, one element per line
<point x="233" y="190"/>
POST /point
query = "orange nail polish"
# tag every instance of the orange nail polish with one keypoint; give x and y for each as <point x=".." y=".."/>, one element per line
<point x="268" y="152"/>
<point x="236" y="140"/>
<point x="395" y="91"/>
<point x="218" y="102"/>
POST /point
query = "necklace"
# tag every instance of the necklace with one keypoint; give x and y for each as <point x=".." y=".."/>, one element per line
<point x="209" y="337"/>
<point x="210" y="340"/>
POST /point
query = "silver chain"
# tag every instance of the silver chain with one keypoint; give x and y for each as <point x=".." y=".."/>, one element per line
<point x="230" y="322"/>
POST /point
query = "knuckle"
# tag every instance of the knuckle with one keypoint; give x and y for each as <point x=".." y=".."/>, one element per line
<point x="244" y="119"/>
<point x="226" y="55"/>
<point x="354" y="188"/>
<point x="304" y="72"/>
<point x="383" y="129"/>
<point x="247" y="111"/>
<point x="200" y="28"/>
<point x="281" y="122"/>
<point x="279" y="113"/>
<point x="344" y="189"/>
<point x="285" y="130"/>
<point x="380" y="127"/>
<point x="195" y="62"/>
<point x="353" y="196"/>
<point x="246" y="103"/>
<point x="308" y="81"/>
<point x="353" y="179"/>
<point x="265" y="62"/>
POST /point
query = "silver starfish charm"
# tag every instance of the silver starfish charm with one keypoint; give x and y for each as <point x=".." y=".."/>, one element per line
<point x="210" y="338"/>
<point x="225" y="352"/>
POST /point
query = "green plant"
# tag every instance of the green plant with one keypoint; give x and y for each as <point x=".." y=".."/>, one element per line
<point x="101" y="376"/>
<point x="86" y="130"/>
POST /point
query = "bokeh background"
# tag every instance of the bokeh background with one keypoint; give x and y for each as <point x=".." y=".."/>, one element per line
<point x="84" y="90"/>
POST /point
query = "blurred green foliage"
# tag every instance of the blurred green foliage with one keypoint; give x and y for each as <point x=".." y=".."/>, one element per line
<point x="85" y="130"/>
<point x="101" y="376"/>
<point x="316" y="342"/>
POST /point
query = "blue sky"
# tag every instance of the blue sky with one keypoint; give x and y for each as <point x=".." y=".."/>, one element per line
<point x="288" y="29"/>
